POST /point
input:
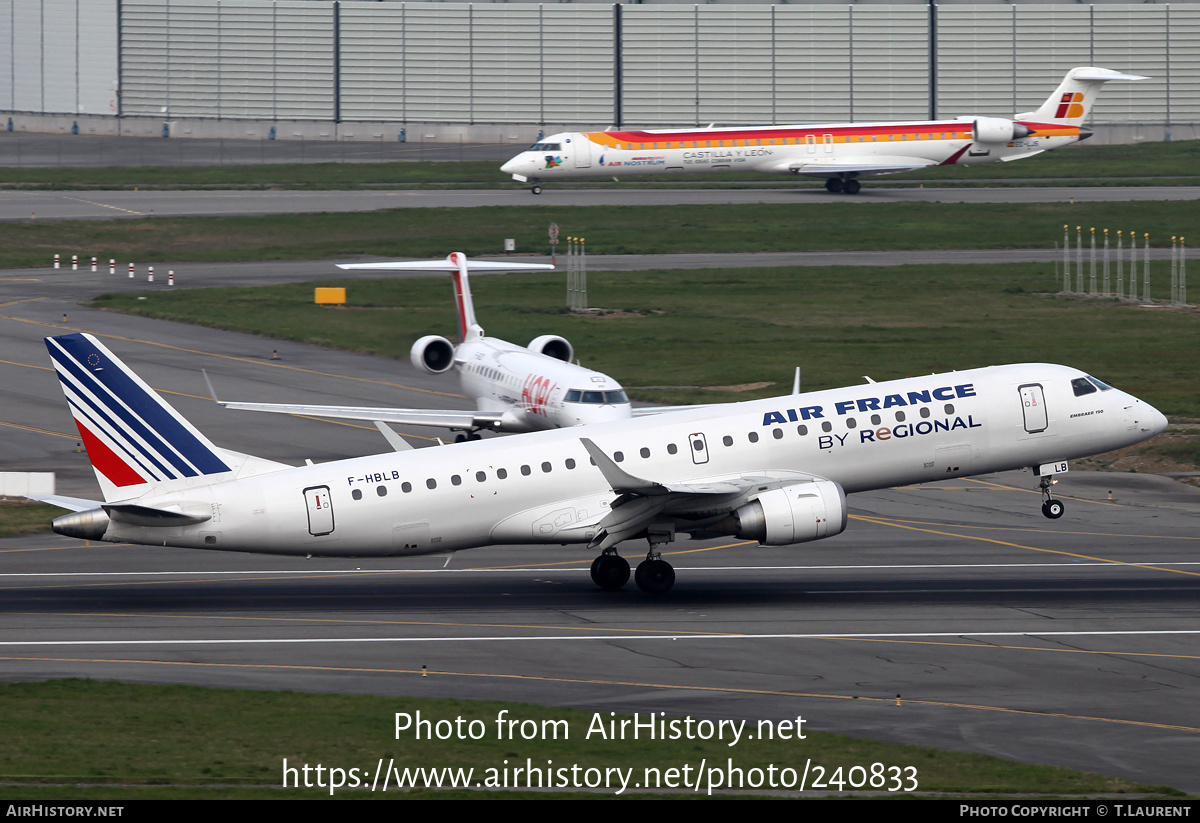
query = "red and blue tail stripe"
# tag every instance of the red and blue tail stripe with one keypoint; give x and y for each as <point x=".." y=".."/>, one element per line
<point x="131" y="435"/>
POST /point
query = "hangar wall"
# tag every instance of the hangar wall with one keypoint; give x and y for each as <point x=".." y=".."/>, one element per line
<point x="511" y="69"/>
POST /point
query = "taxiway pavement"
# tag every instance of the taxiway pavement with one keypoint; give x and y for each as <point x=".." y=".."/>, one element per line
<point x="21" y="205"/>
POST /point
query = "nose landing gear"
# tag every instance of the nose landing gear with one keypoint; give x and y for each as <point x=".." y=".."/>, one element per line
<point x="1051" y="507"/>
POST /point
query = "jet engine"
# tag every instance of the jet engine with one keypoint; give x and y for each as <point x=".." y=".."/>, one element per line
<point x="554" y="346"/>
<point x="433" y="354"/>
<point x="793" y="514"/>
<point x="997" y="130"/>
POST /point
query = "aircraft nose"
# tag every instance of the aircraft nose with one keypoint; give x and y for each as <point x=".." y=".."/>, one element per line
<point x="514" y="166"/>
<point x="1153" y="421"/>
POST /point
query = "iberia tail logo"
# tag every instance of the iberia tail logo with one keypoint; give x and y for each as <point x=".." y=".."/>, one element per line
<point x="1071" y="105"/>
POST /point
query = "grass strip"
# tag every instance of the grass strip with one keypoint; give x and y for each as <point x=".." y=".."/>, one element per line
<point x="133" y="737"/>
<point x="1135" y="164"/>
<point x="608" y="230"/>
<point x="724" y="327"/>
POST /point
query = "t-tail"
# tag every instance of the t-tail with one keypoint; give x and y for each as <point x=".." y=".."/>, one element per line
<point x="458" y="265"/>
<point x="137" y="443"/>
<point x="1072" y="100"/>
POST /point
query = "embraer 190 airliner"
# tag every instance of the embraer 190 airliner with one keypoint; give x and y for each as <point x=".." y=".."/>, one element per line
<point x="776" y="471"/>
<point x="839" y="152"/>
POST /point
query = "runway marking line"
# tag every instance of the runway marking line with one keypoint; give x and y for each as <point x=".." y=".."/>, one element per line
<point x="103" y="205"/>
<point x="620" y="683"/>
<point x="899" y="525"/>
<point x="40" y="431"/>
<point x="1025" y="529"/>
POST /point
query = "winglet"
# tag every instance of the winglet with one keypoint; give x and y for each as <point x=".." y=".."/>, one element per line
<point x="211" y="391"/>
<point x="622" y="482"/>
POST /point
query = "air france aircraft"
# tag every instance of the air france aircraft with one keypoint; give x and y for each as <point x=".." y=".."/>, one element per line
<point x="776" y="471"/>
<point x="515" y="388"/>
<point x="839" y="152"/>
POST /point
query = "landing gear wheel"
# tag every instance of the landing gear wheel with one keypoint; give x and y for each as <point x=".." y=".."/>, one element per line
<point x="654" y="576"/>
<point x="834" y="184"/>
<point x="473" y="436"/>
<point x="460" y="438"/>
<point x="536" y="189"/>
<point x="610" y="571"/>
<point x="1053" y="508"/>
<point x="851" y="187"/>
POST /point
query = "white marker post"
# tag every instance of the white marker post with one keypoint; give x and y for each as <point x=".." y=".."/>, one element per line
<point x="150" y="277"/>
<point x="112" y="266"/>
<point x="56" y="261"/>
<point x="93" y="264"/>
<point x="170" y="277"/>
<point x="130" y="271"/>
<point x="74" y="262"/>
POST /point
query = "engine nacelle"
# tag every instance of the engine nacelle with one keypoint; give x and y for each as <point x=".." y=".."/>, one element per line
<point x="998" y="130"/>
<point x="554" y="346"/>
<point x="433" y="354"/>
<point x="794" y="514"/>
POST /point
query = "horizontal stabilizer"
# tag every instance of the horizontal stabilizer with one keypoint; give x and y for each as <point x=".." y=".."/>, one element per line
<point x="446" y="265"/>
<point x="71" y="504"/>
<point x="136" y="515"/>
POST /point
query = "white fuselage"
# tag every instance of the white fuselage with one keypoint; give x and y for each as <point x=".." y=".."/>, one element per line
<point x="533" y="391"/>
<point x="544" y="488"/>
<point x="823" y="150"/>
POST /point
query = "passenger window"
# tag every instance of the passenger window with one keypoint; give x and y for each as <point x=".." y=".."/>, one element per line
<point x="481" y="476"/>
<point x="672" y="448"/>
<point x="381" y="491"/>
<point x="501" y="474"/>
<point x="570" y="464"/>
<point x="406" y="487"/>
<point x="924" y="411"/>
<point x="949" y="408"/>
<point x="525" y="470"/>
<point x="619" y="456"/>
<point x="826" y="426"/>
<point x="753" y="437"/>
<point x="456" y="480"/>
<point x="899" y="417"/>
<point x="777" y="433"/>
<point x="356" y="494"/>
<point x="645" y="452"/>
<point x="851" y="423"/>
<point x="546" y="467"/>
<point x="727" y="440"/>
<point x="875" y="420"/>
<point x="802" y="430"/>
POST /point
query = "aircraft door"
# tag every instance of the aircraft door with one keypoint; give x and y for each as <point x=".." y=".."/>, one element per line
<point x="699" y="448"/>
<point x="1033" y="405"/>
<point x="810" y="140"/>
<point x="828" y="143"/>
<point x="320" y="510"/>
<point x="582" y="151"/>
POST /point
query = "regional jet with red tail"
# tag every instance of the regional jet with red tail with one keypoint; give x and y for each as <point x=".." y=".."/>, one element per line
<point x="841" y="153"/>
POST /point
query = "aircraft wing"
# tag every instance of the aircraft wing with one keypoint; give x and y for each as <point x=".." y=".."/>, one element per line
<point x="447" y="419"/>
<point x="824" y="167"/>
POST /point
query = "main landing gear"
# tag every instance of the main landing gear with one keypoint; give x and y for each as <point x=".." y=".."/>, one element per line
<point x="463" y="437"/>
<point x="1051" y="507"/>
<point x="833" y="185"/>
<point x="654" y="575"/>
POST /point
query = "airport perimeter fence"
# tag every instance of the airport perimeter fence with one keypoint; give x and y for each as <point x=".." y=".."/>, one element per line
<point x="1121" y="269"/>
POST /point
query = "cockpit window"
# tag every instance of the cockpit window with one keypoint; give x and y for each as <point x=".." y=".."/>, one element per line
<point x="545" y="147"/>
<point x="1082" y="386"/>
<point x="595" y="397"/>
<point x="1100" y="384"/>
